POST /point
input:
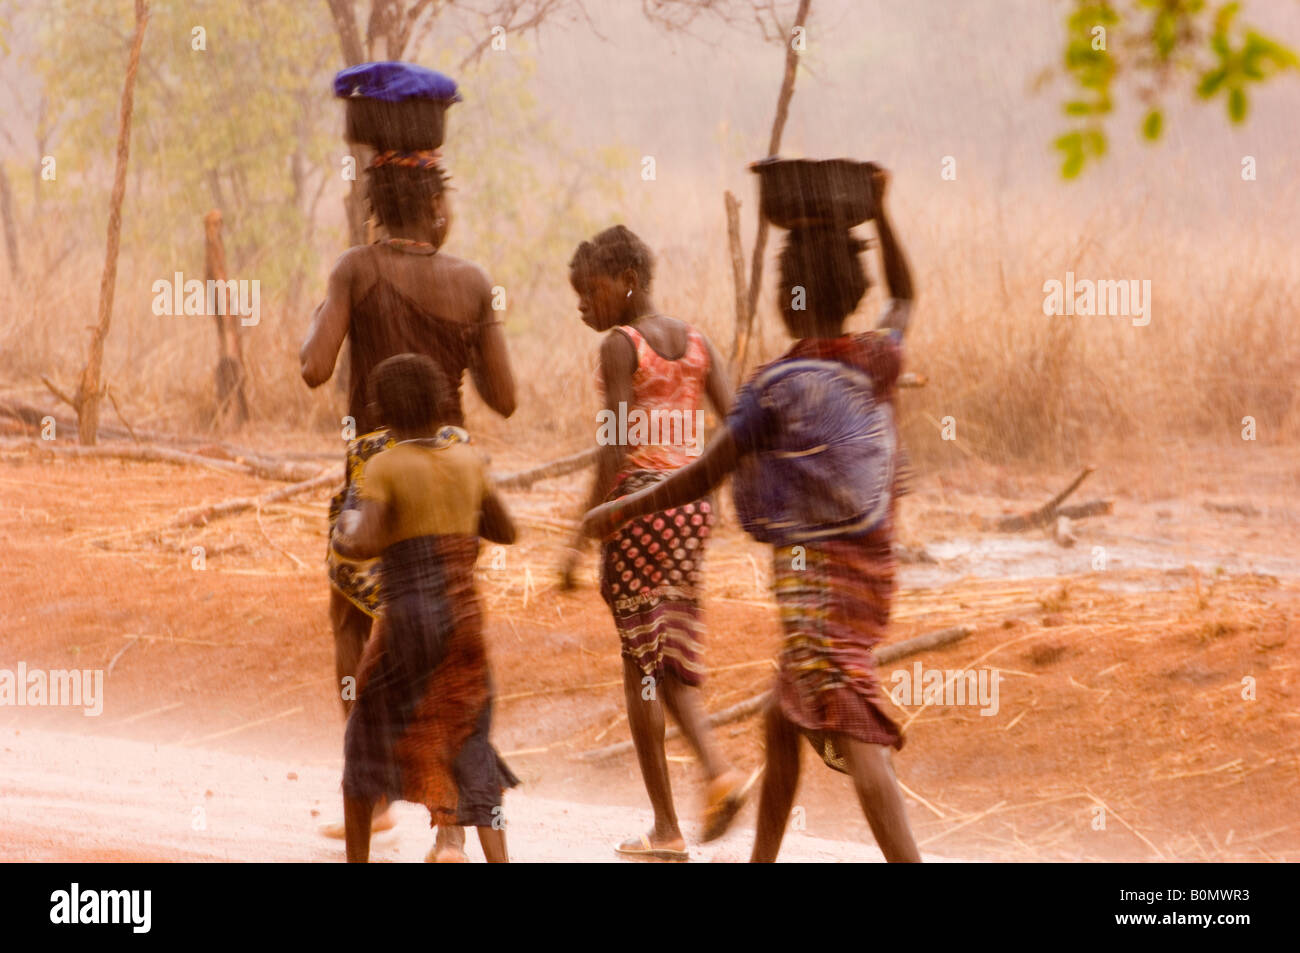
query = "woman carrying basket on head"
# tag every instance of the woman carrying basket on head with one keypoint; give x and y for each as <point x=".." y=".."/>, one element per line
<point x="401" y="294"/>
<point x="811" y="439"/>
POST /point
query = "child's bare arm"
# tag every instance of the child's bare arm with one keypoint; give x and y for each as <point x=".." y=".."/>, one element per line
<point x="689" y="483"/>
<point x="329" y="326"/>
<point x="494" y="522"/>
<point x="361" y="532"/>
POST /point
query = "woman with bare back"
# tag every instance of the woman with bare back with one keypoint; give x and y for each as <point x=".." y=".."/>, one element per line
<point x="401" y="294"/>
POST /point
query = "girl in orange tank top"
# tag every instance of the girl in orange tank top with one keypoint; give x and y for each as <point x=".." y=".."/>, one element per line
<point x="654" y="370"/>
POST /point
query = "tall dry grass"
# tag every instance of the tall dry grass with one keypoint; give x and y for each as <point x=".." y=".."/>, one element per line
<point x="1222" y="343"/>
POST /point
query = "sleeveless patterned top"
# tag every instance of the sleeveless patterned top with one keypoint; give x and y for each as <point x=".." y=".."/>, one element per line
<point x="663" y="429"/>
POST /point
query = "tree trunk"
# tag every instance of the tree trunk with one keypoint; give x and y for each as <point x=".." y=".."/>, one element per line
<point x="740" y="354"/>
<point x="11" y="230"/>
<point x="737" y="268"/>
<point x="232" y="402"/>
<point x="88" y="390"/>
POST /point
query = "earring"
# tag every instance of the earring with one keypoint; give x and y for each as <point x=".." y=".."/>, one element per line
<point x="439" y="222"/>
<point x="629" y="292"/>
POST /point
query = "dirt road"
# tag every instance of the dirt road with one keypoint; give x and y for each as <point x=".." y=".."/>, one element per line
<point x="1159" y="690"/>
<point x="81" y="798"/>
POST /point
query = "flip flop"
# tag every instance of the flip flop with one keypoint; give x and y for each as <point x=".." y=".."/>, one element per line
<point x="643" y="848"/>
<point x="726" y="796"/>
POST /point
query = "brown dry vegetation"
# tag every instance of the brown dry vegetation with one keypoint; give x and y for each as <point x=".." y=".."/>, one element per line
<point x="1124" y="687"/>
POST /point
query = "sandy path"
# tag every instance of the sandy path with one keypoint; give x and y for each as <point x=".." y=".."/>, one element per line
<point x="66" y="797"/>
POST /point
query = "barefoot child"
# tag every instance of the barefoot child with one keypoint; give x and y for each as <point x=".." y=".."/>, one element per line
<point x="402" y="293"/>
<point x="812" y="440"/>
<point x="653" y="371"/>
<point x="419" y="728"/>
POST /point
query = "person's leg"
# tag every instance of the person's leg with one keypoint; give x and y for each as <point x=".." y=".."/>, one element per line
<point x="645" y="718"/>
<point x="780" y="781"/>
<point x="882" y="801"/>
<point x="448" y="846"/>
<point x="450" y="836"/>
<point x="351" y="630"/>
<point x="725" y="793"/>
<point x="356" y="820"/>
<point x="494" y="845"/>
<point x="684" y="704"/>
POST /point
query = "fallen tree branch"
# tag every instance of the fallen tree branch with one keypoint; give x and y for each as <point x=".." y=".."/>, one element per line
<point x="202" y="515"/>
<point x="120" y="416"/>
<point x="266" y="469"/>
<point x="922" y="643"/>
<point x="1044" y="514"/>
<point x="750" y="706"/>
<point x="32" y="416"/>
<point x="523" y="479"/>
<point x="235" y="459"/>
<point x="1240" y="509"/>
<point x="1078" y="511"/>
<point x="58" y="393"/>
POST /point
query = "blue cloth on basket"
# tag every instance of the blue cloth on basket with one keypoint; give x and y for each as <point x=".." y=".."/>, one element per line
<point x="394" y="82"/>
<point x="817" y="452"/>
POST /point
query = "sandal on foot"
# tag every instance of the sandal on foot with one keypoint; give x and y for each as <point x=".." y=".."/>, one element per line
<point x="641" y="847"/>
<point x="725" y="797"/>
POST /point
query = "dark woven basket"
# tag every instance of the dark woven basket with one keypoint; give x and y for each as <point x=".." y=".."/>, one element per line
<point x="408" y="125"/>
<point x="802" y="193"/>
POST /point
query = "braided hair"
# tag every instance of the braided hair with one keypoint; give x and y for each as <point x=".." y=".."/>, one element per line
<point x="612" y="252"/>
<point x="822" y="279"/>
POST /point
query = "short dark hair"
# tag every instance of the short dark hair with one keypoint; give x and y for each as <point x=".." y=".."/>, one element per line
<point x="410" y="392"/>
<point x="612" y="252"/>
<point x="402" y="196"/>
<point x="820" y="269"/>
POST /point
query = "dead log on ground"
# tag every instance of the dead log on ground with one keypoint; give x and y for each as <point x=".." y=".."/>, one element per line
<point x="1078" y="511"/>
<point x="1239" y="509"/>
<point x="523" y="479"/>
<point x="265" y="468"/>
<point x="202" y="515"/>
<point x="1044" y="515"/>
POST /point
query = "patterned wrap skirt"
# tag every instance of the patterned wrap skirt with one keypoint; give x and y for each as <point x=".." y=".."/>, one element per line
<point x="419" y="730"/>
<point x="651" y="574"/>
<point x="358" y="579"/>
<point x="834" y="598"/>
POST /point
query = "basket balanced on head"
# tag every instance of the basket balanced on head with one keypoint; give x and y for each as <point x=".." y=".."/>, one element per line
<point x="397" y="106"/>
<point x="811" y="193"/>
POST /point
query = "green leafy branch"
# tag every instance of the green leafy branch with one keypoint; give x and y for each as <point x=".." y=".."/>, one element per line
<point x="1155" y="42"/>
